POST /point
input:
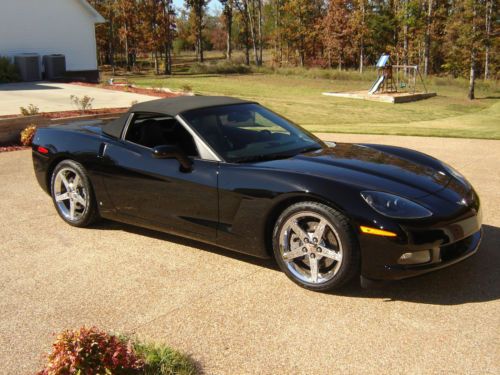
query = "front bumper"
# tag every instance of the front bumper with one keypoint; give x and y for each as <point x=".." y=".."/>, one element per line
<point x="447" y="243"/>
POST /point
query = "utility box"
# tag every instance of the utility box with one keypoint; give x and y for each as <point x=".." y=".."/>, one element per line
<point x="28" y="65"/>
<point x="54" y="65"/>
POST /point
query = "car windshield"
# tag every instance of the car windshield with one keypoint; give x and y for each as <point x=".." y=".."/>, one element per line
<point x="250" y="132"/>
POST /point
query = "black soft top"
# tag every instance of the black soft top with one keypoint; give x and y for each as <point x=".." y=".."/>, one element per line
<point x="171" y="107"/>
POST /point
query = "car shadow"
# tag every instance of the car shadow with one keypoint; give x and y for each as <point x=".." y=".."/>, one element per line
<point x="472" y="281"/>
<point x="112" y="225"/>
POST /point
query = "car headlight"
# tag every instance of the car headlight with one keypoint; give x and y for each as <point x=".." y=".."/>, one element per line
<point x="394" y="206"/>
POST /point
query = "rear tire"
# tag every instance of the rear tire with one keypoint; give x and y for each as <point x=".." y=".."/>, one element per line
<point x="315" y="246"/>
<point x="72" y="194"/>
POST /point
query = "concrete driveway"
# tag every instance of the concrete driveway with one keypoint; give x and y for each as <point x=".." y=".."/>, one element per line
<point x="234" y="314"/>
<point x="52" y="97"/>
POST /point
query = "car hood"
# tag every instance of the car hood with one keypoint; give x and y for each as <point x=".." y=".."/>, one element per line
<point x="383" y="168"/>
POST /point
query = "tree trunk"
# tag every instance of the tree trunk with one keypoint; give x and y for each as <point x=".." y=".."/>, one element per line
<point x="260" y="31"/>
<point x="362" y="37"/>
<point x="127" y="55"/>
<point x="157" y="67"/>
<point x="487" y="41"/>
<point x="111" y="42"/>
<point x="246" y="31"/>
<point x="228" y="12"/>
<point x="473" y="54"/>
<point x="427" y="41"/>
<point x="251" y="22"/>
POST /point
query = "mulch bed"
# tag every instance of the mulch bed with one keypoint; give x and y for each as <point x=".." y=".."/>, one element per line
<point x="131" y="89"/>
<point x="73" y="113"/>
<point x="13" y="148"/>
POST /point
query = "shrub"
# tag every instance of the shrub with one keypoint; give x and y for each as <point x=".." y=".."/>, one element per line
<point x="221" y="67"/>
<point x="91" y="351"/>
<point x="8" y="71"/>
<point x="31" y="110"/>
<point x="27" y="135"/>
<point x="83" y="104"/>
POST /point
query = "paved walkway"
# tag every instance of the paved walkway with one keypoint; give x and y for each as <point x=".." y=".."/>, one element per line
<point x="234" y="314"/>
<point x="52" y="97"/>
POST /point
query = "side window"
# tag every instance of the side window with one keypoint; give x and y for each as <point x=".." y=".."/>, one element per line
<point x="151" y="130"/>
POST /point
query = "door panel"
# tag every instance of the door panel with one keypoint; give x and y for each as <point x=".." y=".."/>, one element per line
<point x="157" y="191"/>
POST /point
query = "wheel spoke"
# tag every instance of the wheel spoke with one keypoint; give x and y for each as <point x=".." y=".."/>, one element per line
<point x="320" y="229"/>
<point x="62" y="197"/>
<point x="64" y="180"/>
<point x="313" y="264"/>
<point x="330" y="253"/>
<point x="81" y="200"/>
<point x="298" y="230"/>
<point x="293" y="254"/>
<point x="72" y="207"/>
<point x="76" y="181"/>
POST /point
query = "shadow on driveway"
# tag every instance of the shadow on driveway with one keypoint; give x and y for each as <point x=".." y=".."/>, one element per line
<point x="26" y="86"/>
<point x="474" y="280"/>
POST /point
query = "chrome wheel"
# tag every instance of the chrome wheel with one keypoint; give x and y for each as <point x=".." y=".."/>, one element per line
<point x="70" y="195"/>
<point x="310" y="247"/>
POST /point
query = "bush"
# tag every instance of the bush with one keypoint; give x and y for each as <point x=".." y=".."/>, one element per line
<point x="8" y="71"/>
<point x="83" y="104"/>
<point x="91" y="351"/>
<point x="221" y="67"/>
<point x="27" y="135"/>
<point x="31" y="110"/>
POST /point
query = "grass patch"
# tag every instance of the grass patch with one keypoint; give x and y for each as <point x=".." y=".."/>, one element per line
<point x="162" y="360"/>
<point x="299" y="98"/>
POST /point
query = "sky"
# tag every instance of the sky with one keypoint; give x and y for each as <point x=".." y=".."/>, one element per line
<point x="213" y="5"/>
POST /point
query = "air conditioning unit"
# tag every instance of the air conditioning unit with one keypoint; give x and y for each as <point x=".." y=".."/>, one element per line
<point x="28" y="65"/>
<point x="54" y="65"/>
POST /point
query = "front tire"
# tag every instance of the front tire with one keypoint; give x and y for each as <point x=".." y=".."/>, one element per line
<point x="315" y="246"/>
<point x="72" y="194"/>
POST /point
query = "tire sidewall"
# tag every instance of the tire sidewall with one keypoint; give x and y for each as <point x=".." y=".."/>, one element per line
<point x="350" y="252"/>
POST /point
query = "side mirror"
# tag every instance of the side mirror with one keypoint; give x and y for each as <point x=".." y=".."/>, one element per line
<point x="173" y="152"/>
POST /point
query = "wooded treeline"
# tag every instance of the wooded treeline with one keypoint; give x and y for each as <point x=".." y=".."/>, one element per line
<point x="455" y="37"/>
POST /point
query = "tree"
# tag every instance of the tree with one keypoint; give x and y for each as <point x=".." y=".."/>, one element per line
<point x="336" y="27"/>
<point x="487" y="38"/>
<point x="126" y="17"/>
<point x="428" y="31"/>
<point x="197" y="8"/>
<point x="298" y="26"/>
<point x="228" y="22"/>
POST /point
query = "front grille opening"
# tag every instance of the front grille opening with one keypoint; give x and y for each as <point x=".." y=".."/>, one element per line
<point x="455" y="250"/>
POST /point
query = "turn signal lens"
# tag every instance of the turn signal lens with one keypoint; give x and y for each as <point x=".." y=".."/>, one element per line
<point x="377" y="232"/>
<point x="42" y="150"/>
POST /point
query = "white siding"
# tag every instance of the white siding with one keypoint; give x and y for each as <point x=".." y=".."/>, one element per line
<point x="49" y="26"/>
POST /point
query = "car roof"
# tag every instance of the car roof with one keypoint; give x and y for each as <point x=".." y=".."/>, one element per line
<point x="172" y="107"/>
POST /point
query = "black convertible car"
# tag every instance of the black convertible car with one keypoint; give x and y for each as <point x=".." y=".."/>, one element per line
<point x="232" y="173"/>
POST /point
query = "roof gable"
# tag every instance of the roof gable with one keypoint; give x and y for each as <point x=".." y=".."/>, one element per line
<point x="91" y="10"/>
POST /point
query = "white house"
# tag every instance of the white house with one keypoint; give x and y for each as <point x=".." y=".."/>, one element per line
<point x="52" y="27"/>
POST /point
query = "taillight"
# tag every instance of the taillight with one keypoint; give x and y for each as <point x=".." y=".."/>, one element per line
<point x="42" y="150"/>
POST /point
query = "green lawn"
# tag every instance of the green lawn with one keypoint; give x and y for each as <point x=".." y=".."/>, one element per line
<point x="449" y="114"/>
